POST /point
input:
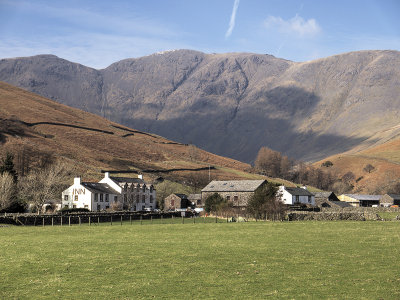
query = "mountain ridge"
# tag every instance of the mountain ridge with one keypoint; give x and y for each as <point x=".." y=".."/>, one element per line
<point x="232" y="104"/>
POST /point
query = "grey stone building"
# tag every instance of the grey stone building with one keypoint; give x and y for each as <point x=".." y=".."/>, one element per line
<point x="237" y="192"/>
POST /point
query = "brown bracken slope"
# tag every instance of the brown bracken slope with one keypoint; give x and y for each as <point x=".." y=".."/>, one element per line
<point x="89" y="143"/>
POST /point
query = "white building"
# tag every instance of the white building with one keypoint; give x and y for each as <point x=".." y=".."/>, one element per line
<point x="131" y="193"/>
<point x="136" y="194"/>
<point x="293" y="196"/>
<point x="91" y="195"/>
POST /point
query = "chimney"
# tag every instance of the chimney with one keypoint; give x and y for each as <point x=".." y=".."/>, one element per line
<point x="140" y="176"/>
<point x="77" y="181"/>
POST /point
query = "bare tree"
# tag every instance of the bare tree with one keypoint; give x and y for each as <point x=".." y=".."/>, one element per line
<point x="7" y="190"/>
<point x="45" y="184"/>
<point x="369" y="168"/>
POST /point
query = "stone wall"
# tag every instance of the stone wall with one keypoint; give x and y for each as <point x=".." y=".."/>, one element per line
<point x="332" y="216"/>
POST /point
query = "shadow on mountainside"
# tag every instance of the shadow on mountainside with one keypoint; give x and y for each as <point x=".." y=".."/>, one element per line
<point x="266" y="118"/>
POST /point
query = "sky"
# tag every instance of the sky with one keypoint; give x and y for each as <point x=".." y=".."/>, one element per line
<point x="99" y="33"/>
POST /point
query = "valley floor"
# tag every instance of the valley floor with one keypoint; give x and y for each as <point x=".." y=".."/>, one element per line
<point x="295" y="260"/>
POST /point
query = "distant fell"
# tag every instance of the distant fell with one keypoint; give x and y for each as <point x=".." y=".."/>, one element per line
<point x="232" y="104"/>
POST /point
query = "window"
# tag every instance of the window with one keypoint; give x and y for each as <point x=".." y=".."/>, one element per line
<point x="98" y="207"/>
<point x="74" y="206"/>
<point x="144" y="188"/>
<point x="65" y="197"/>
<point x="131" y="198"/>
<point x="107" y="207"/>
<point x="228" y="198"/>
<point x="107" y="200"/>
<point x="101" y="197"/>
<point x="125" y="198"/>
<point x="143" y="199"/>
<point x="115" y="198"/>
<point x="235" y="198"/>
<point x="309" y="199"/>
<point x="137" y="198"/>
<point x="151" y="198"/>
<point x="76" y="198"/>
<point x="297" y="199"/>
<point x="96" y="197"/>
<point x="172" y="202"/>
<point x="199" y="202"/>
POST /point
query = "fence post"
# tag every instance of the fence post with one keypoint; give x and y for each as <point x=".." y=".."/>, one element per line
<point x="130" y="219"/>
<point x="151" y="219"/>
<point x="121" y="220"/>
<point x="161" y="218"/>
<point x="69" y="220"/>
<point x="79" y="218"/>
<point x="183" y="220"/>
<point x="52" y="221"/>
<point x="43" y="221"/>
<point x="194" y="219"/>
<point x="141" y="220"/>
<point x="98" y="220"/>
<point x="111" y="220"/>
<point x="89" y="222"/>
<point x="61" y="220"/>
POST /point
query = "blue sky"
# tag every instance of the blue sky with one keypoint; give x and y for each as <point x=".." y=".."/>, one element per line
<point x="98" y="33"/>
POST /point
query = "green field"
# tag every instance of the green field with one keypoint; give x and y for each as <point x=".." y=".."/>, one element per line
<point x="297" y="260"/>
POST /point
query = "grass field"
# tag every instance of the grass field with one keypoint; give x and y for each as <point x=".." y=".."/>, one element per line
<point x="297" y="260"/>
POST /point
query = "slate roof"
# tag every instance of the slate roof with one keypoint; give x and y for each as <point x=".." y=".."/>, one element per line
<point x="322" y="194"/>
<point x="182" y="196"/>
<point x="394" y="196"/>
<point x="127" y="180"/>
<point x="341" y="203"/>
<point x="233" y="186"/>
<point x="102" y="188"/>
<point x="364" y="197"/>
<point x="298" y="191"/>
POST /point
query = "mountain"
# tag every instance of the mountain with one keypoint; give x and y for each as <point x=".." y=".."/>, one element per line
<point x="232" y="104"/>
<point x="36" y="129"/>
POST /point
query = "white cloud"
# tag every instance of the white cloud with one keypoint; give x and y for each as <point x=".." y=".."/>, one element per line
<point x="296" y="25"/>
<point x="232" y="20"/>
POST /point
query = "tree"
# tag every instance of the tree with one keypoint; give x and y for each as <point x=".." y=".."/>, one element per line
<point x="327" y="164"/>
<point x="7" y="190"/>
<point x="45" y="184"/>
<point x="266" y="203"/>
<point x="214" y="203"/>
<point x="8" y="166"/>
<point x="198" y="180"/>
<point x="369" y="168"/>
<point x="268" y="162"/>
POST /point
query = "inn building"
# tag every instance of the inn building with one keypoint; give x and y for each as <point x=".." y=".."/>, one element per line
<point x="132" y="194"/>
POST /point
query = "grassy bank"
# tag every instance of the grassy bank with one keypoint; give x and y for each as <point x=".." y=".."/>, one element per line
<point x="237" y="260"/>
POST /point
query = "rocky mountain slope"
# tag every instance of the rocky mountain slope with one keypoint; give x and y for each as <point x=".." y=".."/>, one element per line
<point x="232" y="104"/>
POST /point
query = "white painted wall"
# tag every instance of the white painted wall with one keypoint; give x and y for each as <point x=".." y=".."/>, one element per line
<point x="79" y="192"/>
<point x="290" y="199"/>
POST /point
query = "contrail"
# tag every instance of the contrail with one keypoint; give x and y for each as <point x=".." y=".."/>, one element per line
<point x="233" y="17"/>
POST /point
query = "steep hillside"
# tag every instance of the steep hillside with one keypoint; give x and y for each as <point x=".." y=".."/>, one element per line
<point x="232" y="104"/>
<point x="382" y="177"/>
<point x="33" y="127"/>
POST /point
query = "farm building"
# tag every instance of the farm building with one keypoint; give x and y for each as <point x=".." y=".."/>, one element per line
<point x="329" y="199"/>
<point x="195" y="199"/>
<point x="176" y="202"/>
<point x="389" y="200"/>
<point x="360" y="200"/>
<point x="293" y="196"/>
<point x="237" y="192"/>
<point x="131" y="193"/>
